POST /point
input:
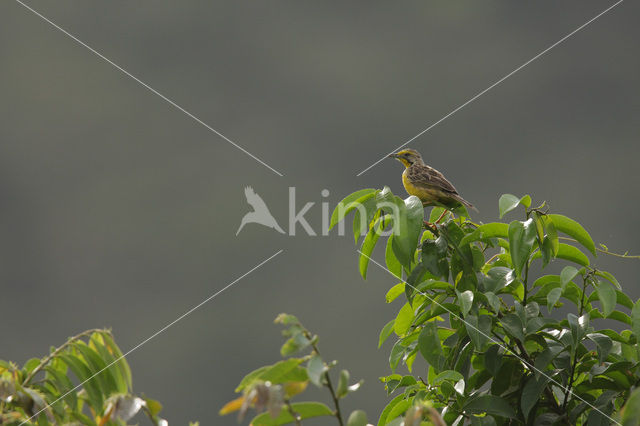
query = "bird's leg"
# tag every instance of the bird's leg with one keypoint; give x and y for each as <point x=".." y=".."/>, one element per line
<point x="430" y="226"/>
<point x="441" y="216"/>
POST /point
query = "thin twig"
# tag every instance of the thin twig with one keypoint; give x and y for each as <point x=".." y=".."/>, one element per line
<point x="53" y="354"/>
<point x="294" y="414"/>
<point x="622" y="255"/>
<point x="336" y="400"/>
<point x="574" y="363"/>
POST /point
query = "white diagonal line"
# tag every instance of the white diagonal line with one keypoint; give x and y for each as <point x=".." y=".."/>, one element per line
<point x="505" y="348"/>
<point x="494" y="85"/>
<point x="145" y="85"/>
<point x="163" y="329"/>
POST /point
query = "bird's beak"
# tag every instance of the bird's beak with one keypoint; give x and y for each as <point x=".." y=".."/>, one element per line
<point x="392" y="156"/>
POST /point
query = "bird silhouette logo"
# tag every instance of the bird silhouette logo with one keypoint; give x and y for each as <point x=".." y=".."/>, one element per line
<point x="260" y="213"/>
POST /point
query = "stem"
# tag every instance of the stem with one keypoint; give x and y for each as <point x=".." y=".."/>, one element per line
<point x="55" y="353"/>
<point x="575" y="352"/>
<point x="571" y="378"/>
<point x="336" y="400"/>
<point x="584" y="289"/>
<point x="623" y="255"/>
<point x="547" y="391"/>
<point x="294" y="414"/>
<point x="526" y="287"/>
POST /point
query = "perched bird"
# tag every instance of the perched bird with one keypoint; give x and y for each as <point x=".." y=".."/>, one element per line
<point x="260" y="213"/>
<point x="427" y="183"/>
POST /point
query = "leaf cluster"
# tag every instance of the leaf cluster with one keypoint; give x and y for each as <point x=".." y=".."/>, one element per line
<point x="86" y="381"/>
<point x="271" y="388"/>
<point x="502" y="346"/>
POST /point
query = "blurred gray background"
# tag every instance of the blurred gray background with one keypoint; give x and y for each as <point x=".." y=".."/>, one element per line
<point x="118" y="210"/>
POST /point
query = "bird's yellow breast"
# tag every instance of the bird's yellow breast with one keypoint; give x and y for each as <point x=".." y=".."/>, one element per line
<point x="425" y="194"/>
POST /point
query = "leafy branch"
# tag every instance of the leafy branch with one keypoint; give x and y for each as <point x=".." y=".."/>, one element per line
<point x="272" y="387"/>
<point x="46" y="360"/>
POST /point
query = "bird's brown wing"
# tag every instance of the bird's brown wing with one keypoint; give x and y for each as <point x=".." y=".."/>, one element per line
<point x="430" y="178"/>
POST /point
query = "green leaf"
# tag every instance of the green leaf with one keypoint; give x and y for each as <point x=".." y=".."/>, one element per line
<point x="384" y="416"/>
<point x="434" y="257"/>
<point x="486" y="231"/>
<point x="390" y="259"/>
<point x="568" y="252"/>
<point x="573" y="229"/>
<point x="406" y="230"/>
<point x="435" y="214"/>
<point x="360" y="226"/>
<point x="285" y="371"/>
<point x="153" y="406"/>
<point x="552" y="235"/>
<point x="396" y="411"/>
<point x="123" y="365"/>
<point x="546" y="279"/>
<point x="394" y="292"/>
<point x="531" y="393"/>
<point x="348" y="203"/>
<point x="297" y="342"/>
<point x="466" y="301"/>
<point x="624" y="300"/>
<point x="305" y="410"/>
<point x="63" y="385"/>
<point x="631" y="410"/>
<point x="97" y="342"/>
<point x="357" y="418"/>
<point x="603" y="345"/>
<point x="316" y="370"/>
<point x="497" y="278"/>
<point x="493" y="359"/>
<point x="509" y="202"/>
<point x="478" y="329"/>
<point x="404" y="319"/>
<point x="415" y="278"/>
<point x="490" y="404"/>
<point x="607" y="296"/>
<point x="552" y="297"/>
<point x="539" y="221"/>
<point x="280" y="372"/>
<point x="447" y="375"/>
<point x="397" y="351"/>
<point x="31" y="364"/>
<point x="369" y="244"/>
<point x="635" y="320"/>
<point x="493" y="300"/>
<point x="106" y="380"/>
<point x="609" y="277"/>
<point x="572" y="254"/>
<point x="513" y="325"/>
<point x="578" y="327"/>
<point x="429" y="345"/>
<point x="83" y="373"/>
<point x="547" y="251"/>
<point x="568" y="273"/>
<point x="386" y="332"/>
<point x="343" y="384"/>
<point x="615" y="315"/>
<point x="522" y="235"/>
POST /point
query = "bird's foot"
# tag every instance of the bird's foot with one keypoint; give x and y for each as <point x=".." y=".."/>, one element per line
<point x="430" y="226"/>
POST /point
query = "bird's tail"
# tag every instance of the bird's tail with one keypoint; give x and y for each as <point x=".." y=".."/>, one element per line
<point x="467" y="204"/>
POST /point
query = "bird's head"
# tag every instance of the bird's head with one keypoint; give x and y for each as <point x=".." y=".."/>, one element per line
<point x="408" y="157"/>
